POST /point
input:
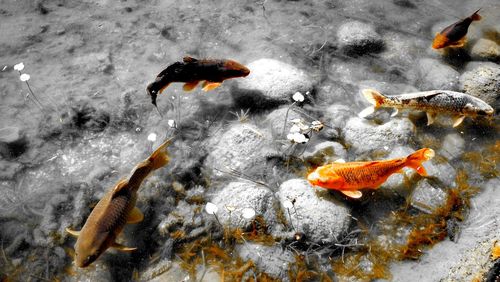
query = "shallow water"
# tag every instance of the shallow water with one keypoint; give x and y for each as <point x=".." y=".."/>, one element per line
<point x="90" y="63"/>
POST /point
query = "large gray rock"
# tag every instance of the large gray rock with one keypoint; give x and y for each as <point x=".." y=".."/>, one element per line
<point x="483" y="81"/>
<point x="243" y="147"/>
<point x="335" y="117"/>
<point x="363" y="136"/>
<point x="485" y="49"/>
<point x="237" y="196"/>
<point x="322" y="219"/>
<point x="270" y="83"/>
<point x="13" y="142"/>
<point x="273" y="260"/>
<point x="453" y="146"/>
<point x="433" y="74"/>
<point x="358" y="38"/>
<point x="428" y="197"/>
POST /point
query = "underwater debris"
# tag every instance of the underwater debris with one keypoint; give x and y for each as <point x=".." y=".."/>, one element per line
<point x="454" y="34"/>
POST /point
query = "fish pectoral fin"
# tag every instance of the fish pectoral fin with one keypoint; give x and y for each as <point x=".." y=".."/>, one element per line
<point x="73" y="233"/>
<point x="207" y="86"/>
<point x="395" y="113"/>
<point x="430" y="118"/>
<point x="356" y="194"/>
<point x="190" y="85"/>
<point x="135" y="216"/>
<point x="458" y="121"/>
<point x="123" y="248"/>
<point x="366" y="112"/>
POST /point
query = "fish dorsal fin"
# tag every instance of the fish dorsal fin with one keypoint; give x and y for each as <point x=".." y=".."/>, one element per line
<point x="119" y="186"/>
<point x="135" y="216"/>
<point x="123" y="248"/>
<point x="356" y="194"/>
<point x="189" y="59"/>
<point x="458" y="121"/>
<point x="72" y="232"/>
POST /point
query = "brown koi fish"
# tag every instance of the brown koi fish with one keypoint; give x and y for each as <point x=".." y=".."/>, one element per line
<point x="349" y="178"/>
<point x="459" y="105"/>
<point x="192" y="71"/>
<point x="454" y="35"/>
<point x="114" y="210"/>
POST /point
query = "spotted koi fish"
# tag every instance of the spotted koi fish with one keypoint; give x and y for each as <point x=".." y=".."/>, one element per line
<point x="459" y="105"/>
<point x="349" y="178"/>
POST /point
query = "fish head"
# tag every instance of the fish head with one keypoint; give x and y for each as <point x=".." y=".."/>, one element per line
<point x="440" y="41"/>
<point x="479" y="109"/>
<point x="88" y="249"/>
<point x="235" y="69"/>
<point x="323" y="179"/>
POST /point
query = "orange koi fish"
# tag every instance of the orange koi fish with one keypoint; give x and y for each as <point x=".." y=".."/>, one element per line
<point x="114" y="210"/>
<point x="192" y="71"/>
<point x="454" y="35"/>
<point x="349" y="178"/>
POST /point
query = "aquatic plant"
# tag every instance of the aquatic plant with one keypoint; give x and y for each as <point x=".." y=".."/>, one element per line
<point x="24" y="77"/>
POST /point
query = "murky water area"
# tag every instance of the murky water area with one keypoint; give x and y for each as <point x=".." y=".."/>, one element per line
<point x="234" y="203"/>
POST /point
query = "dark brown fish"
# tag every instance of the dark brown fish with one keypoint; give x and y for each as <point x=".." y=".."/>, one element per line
<point x="454" y="35"/>
<point x="114" y="210"/>
<point x="192" y="71"/>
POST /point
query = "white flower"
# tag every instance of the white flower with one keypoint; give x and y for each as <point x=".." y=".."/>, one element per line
<point x="248" y="213"/>
<point x="171" y="122"/>
<point x="298" y="97"/>
<point x="287" y="204"/>
<point x="298" y="125"/>
<point x="297" y="137"/>
<point x="152" y="137"/>
<point x="316" y="125"/>
<point x="211" y="208"/>
<point x="19" y="67"/>
<point x="295" y="128"/>
<point x="24" y="77"/>
<point x="231" y="208"/>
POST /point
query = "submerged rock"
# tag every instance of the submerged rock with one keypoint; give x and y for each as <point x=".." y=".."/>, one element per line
<point x="485" y="49"/>
<point x="335" y="118"/>
<point x="358" y="38"/>
<point x="325" y="152"/>
<point x="242" y="148"/>
<point x="483" y="81"/>
<point x="453" y="146"/>
<point x="272" y="260"/>
<point x="13" y="142"/>
<point x="427" y="197"/>
<point x="364" y="137"/>
<point x="8" y="170"/>
<point x="270" y="83"/>
<point x="236" y="197"/>
<point x="434" y="74"/>
<point x="309" y="209"/>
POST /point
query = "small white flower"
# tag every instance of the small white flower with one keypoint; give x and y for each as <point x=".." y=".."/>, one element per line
<point x="152" y="137"/>
<point x="294" y="128"/>
<point x="297" y="137"/>
<point x="19" y="67"/>
<point x="231" y="208"/>
<point x="248" y="213"/>
<point x="287" y="204"/>
<point x="316" y="125"/>
<point x="24" y="77"/>
<point x="211" y="208"/>
<point x="298" y="97"/>
<point x="171" y="122"/>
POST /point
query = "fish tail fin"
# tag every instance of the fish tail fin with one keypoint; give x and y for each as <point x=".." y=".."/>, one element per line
<point x="374" y="97"/>
<point x="416" y="159"/>
<point x="159" y="157"/>
<point x="475" y="16"/>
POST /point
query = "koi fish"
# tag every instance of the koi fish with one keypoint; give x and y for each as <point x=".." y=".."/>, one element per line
<point x="192" y="71"/>
<point x="114" y="210"/>
<point x="432" y="102"/>
<point x="349" y="178"/>
<point x="454" y="35"/>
